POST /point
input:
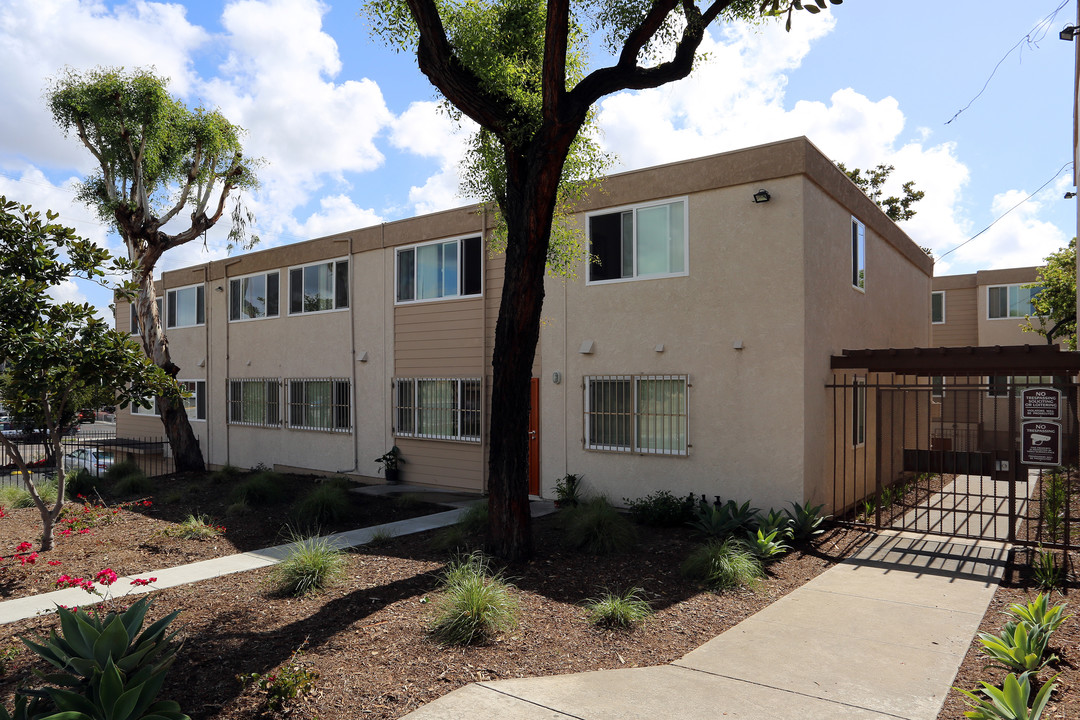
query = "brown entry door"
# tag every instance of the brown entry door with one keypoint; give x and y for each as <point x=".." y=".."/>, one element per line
<point x="534" y="436"/>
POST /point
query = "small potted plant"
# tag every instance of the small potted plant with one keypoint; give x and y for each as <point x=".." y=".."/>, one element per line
<point x="388" y="464"/>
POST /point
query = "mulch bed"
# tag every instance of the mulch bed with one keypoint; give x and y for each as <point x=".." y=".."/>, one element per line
<point x="367" y="638"/>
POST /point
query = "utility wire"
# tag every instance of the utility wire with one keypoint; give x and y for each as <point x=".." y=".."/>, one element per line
<point x="1055" y="177"/>
<point x="1032" y="39"/>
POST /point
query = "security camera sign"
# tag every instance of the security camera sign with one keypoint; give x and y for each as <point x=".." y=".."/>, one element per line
<point x="1040" y="443"/>
<point x="1040" y="403"/>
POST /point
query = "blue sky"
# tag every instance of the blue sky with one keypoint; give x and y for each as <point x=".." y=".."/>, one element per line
<point x="351" y="134"/>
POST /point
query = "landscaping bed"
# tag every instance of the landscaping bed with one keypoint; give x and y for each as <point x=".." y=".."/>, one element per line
<point x="367" y="639"/>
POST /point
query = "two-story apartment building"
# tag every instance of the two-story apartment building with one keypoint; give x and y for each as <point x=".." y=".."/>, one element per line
<point x="690" y="350"/>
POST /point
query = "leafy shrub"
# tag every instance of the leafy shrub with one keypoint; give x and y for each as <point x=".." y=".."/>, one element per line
<point x="807" y="520"/>
<point x="721" y="521"/>
<point x="118" y="471"/>
<point x="195" y="527"/>
<point x="107" y="668"/>
<point x="79" y="482"/>
<point x="596" y="527"/>
<point x="568" y="490"/>
<point x="475" y="520"/>
<point x="1038" y="615"/>
<point x="1017" y="648"/>
<point x="1055" y="496"/>
<point x="1048" y="573"/>
<point x="15" y="497"/>
<point x="237" y="509"/>
<point x="261" y="488"/>
<point x="226" y="474"/>
<point x="451" y="539"/>
<point x="325" y="505"/>
<point x="723" y="564"/>
<point x="767" y="547"/>
<point x="774" y="520"/>
<point x="618" y="610"/>
<point x="283" y="684"/>
<point x="474" y="603"/>
<point x="132" y="482"/>
<point x="312" y="564"/>
<point x="1010" y="701"/>
<point x="662" y="509"/>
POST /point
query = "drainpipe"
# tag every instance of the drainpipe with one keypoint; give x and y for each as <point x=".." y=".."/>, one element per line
<point x="483" y="319"/>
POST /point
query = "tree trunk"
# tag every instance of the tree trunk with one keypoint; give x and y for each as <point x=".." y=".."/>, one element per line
<point x="532" y="184"/>
<point x="187" y="455"/>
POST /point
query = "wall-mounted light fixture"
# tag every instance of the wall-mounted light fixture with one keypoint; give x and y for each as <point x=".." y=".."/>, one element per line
<point x="659" y="348"/>
<point x="1069" y="33"/>
<point x="586" y="347"/>
<point x="219" y="288"/>
<point x="201" y="363"/>
<point x="1070" y="195"/>
<point x="738" y="345"/>
<point x="762" y="196"/>
<point x="362" y="357"/>
<point x="556" y="377"/>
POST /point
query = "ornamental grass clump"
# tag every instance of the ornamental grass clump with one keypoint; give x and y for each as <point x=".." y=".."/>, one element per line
<point x="195" y="527"/>
<point x="327" y="504"/>
<point x="261" y="488"/>
<point x="311" y="565"/>
<point x="595" y="526"/>
<point x="474" y="603"/>
<point x="615" y="610"/>
<point x="723" y="564"/>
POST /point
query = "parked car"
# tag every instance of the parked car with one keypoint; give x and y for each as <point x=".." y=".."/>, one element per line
<point x="94" y="461"/>
<point x="87" y="416"/>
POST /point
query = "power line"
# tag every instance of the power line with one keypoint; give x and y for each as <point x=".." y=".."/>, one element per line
<point x="1032" y="38"/>
<point x="1055" y="177"/>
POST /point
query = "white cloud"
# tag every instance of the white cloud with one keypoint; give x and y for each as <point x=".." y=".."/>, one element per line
<point x="1018" y="238"/>
<point x="425" y="130"/>
<point x="39" y="37"/>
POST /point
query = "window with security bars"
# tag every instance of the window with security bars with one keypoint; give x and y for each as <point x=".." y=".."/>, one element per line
<point x="438" y="408"/>
<point x="319" y="404"/>
<point x="255" y="401"/>
<point x="637" y="413"/>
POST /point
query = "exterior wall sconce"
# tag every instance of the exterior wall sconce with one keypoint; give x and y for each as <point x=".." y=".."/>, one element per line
<point x="586" y="348"/>
<point x="659" y="348"/>
<point x="219" y="288"/>
<point x="362" y="357"/>
<point x="738" y="345"/>
<point x="1070" y="195"/>
<point x="762" y="196"/>
<point x="556" y="377"/>
<point x="1069" y="33"/>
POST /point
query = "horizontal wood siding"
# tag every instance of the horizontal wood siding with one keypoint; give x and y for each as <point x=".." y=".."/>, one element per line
<point x="443" y="464"/>
<point x="961" y="326"/>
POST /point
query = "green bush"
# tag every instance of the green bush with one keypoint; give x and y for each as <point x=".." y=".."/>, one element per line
<point x="106" y="667"/>
<point x="79" y="482"/>
<point x="596" y="527"/>
<point x="118" y="471"/>
<point x="261" y="488"/>
<point x="475" y="520"/>
<point x="618" y="610"/>
<point x="135" y="483"/>
<point x="474" y="603"/>
<point x="312" y="564"/>
<point x="568" y="490"/>
<point x="15" y="497"/>
<point x="226" y="474"/>
<point x="325" y="505"/>
<point x="195" y="527"/>
<point x="662" y="509"/>
<point x="723" y="564"/>
<point x="452" y="539"/>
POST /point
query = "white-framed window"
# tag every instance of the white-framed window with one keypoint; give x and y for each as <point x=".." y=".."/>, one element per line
<point x="858" y="411"/>
<point x="253" y="296"/>
<point x="194" y="397"/>
<point x="440" y="269"/>
<point x="438" y="408"/>
<point x="937" y="387"/>
<point x="186" y="306"/>
<point x="858" y="254"/>
<point x="255" y="401"/>
<point x="937" y="307"/>
<point x="319" y="287"/>
<point x="319" y="404"/>
<point x="152" y="411"/>
<point x="642" y="241"/>
<point x="135" y="316"/>
<point x="1010" y="301"/>
<point x="637" y="413"/>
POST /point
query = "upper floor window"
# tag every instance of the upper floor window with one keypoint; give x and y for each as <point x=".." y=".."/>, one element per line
<point x="937" y="307"/>
<point x="858" y="254"/>
<point x="1011" y="301"/>
<point x="319" y="287"/>
<point x="639" y="242"/>
<point x="444" y="269"/>
<point x="254" y="296"/>
<point x="135" y="316"/>
<point x="186" y="306"/>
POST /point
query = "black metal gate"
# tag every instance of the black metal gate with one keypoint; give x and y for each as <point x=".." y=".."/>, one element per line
<point x="959" y="455"/>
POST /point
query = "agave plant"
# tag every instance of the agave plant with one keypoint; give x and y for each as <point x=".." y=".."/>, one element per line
<point x="721" y="521"/>
<point x="774" y="520"/>
<point x="107" y="668"/>
<point x="806" y="521"/>
<point x="1017" y="648"/>
<point x="1037" y="615"/>
<point x="1010" y="701"/>
<point x="767" y="547"/>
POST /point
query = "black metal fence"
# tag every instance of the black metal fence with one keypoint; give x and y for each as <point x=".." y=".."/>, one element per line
<point x="95" y="450"/>
<point x="985" y="456"/>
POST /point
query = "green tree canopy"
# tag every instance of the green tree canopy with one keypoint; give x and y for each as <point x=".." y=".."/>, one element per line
<point x="873" y="184"/>
<point x="156" y="159"/>
<point x="55" y="352"/>
<point x="515" y="67"/>
<point x="1055" y="305"/>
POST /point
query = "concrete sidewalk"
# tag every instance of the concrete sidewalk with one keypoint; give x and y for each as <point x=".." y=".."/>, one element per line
<point x="877" y="636"/>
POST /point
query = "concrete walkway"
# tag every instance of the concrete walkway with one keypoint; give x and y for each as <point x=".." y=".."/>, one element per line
<point x="877" y="636"/>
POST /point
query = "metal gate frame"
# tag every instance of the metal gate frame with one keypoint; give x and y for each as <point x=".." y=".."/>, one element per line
<point x="904" y="458"/>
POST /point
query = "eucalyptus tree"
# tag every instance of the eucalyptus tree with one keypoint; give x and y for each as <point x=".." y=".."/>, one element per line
<point x="512" y="67"/>
<point x="1054" y="307"/>
<point x="156" y="159"/>
<point x="54" y="352"/>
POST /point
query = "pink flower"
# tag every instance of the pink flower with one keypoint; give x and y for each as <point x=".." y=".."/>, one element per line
<point x="140" y="582"/>
<point x="106" y="576"/>
<point x="23" y="547"/>
<point x="65" y="531"/>
<point x="85" y="531"/>
<point x="54" y="562"/>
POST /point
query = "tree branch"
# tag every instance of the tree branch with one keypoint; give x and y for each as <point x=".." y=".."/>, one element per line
<point x="556" y="32"/>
